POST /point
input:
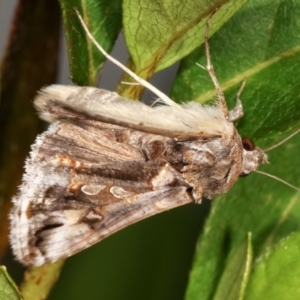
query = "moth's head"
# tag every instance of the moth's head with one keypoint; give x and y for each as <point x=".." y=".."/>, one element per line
<point x="252" y="157"/>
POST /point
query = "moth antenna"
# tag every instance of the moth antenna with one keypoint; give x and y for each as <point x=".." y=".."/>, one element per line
<point x="283" y="141"/>
<point x="210" y="69"/>
<point x="140" y="80"/>
<point x="130" y="83"/>
<point x="278" y="179"/>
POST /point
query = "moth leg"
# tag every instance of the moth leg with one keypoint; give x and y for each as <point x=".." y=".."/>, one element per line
<point x="211" y="72"/>
<point x="238" y="111"/>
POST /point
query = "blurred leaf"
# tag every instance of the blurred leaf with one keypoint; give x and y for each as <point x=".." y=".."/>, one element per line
<point x="29" y="63"/>
<point x="8" y="289"/>
<point x="104" y="19"/>
<point x="234" y="280"/>
<point x="276" y="273"/>
<point x="262" y="41"/>
<point x="160" y="33"/>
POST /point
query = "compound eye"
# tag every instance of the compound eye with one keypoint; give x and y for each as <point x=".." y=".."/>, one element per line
<point x="248" y="144"/>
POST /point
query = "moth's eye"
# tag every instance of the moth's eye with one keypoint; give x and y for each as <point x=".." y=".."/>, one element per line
<point x="248" y="144"/>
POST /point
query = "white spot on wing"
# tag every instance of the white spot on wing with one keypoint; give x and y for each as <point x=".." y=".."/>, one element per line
<point x="119" y="192"/>
<point x="91" y="189"/>
<point x="93" y="216"/>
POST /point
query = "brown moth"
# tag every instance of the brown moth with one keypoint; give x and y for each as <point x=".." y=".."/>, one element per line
<point x="107" y="162"/>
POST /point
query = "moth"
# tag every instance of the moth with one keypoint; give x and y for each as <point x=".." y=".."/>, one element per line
<point x="107" y="162"/>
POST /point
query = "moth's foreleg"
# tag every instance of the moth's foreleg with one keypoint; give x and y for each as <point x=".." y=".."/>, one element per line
<point x="238" y="111"/>
<point x="210" y="69"/>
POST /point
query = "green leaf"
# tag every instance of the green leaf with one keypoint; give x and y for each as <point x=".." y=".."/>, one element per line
<point x="159" y="33"/>
<point x="276" y="274"/>
<point x="8" y="289"/>
<point x="261" y="42"/>
<point x="236" y="274"/>
<point x="104" y="21"/>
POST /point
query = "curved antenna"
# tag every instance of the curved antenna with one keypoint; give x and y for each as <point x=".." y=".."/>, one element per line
<point x="278" y="179"/>
<point x="140" y="80"/>
<point x="283" y="141"/>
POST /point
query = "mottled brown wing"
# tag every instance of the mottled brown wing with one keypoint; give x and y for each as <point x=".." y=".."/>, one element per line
<point x="84" y="181"/>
